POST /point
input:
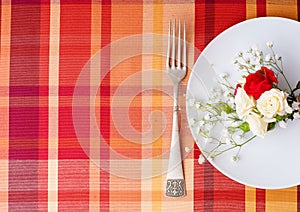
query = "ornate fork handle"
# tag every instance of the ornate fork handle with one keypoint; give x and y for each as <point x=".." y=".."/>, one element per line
<point x="175" y="185"/>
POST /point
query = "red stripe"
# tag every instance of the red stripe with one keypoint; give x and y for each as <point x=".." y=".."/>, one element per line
<point x="260" y="200"/>
<point x="208" y="169"/>
<point x="104" y="109"/>
<point x="43" y="111"/>
<point x="261" y="8"/>
<point x="225" y="189"/>
<point x="24" y="121"/>
<point x="198" y="169"/>
<point x="75" y="39"/>
<point x="298" y="9"/>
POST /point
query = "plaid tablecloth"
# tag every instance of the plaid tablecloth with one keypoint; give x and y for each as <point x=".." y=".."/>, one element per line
<point x="86" y="108"/>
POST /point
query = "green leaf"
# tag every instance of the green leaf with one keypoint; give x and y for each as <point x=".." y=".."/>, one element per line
<point x="244" y="127"/>
<point x="298" y="85"/>
<point x="271" y="126"/>
<point x="226" y="108"/>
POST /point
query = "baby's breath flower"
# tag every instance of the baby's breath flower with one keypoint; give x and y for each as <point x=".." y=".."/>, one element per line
<point x="228" y="141"/>
<point x="201" y="159"/>
<point x="268" y="58"/>
<point x="223" y="75"/>
<point x="296" y="116"/>
<point x="277" y="57"/>
<point x="282" y="124"/>
<point x="254" y="48"/>
<point x="235" y="158"/>
<point x="187" y="149"/>
<point x="270" y="44"/>
<point x="240" y="54"/>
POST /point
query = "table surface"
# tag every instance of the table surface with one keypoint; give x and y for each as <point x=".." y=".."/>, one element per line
<point x="86" y="107"/>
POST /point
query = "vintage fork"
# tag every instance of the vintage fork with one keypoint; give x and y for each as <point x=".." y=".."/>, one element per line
<point x="175" y="185"/>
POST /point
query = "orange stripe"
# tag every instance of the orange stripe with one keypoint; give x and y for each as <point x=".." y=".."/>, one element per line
<point x="94" y="172"/>
<point x="250" y="9"/>
<point x="4" y="110"/>
<point x="287" y="8"/>
<point x="281" y="200"/>
<point x="126" y="20"/>
<point x="250" y="199"/>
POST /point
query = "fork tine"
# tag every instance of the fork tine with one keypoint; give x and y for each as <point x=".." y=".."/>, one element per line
<point x="179" y="46"/>
<point x="173" y="45"/>
<point x="169" y="46"/>
<point x="184" y="47"/>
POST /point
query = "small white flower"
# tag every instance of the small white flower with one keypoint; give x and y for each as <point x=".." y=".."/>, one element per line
<point x="268" y="58"/>
<point x="201" y="123"/>
<point x="282" y="124"/>
<point x="208" y="126"/>
<point x="240" y="54"/>
<point x="207" y="140"/>
<point x="258" y="53"/>
<point x="187" y="149"/>
<point x="227" y="93"/>
<point x="242" y="81"/>
<point x="277" y="57"/>
<point x="191" y="102"/>
<point x="228" y="141"/>
<point x="235" y="124"/>
<point x="225" y="132"/>
<point x="197" y="105"/>
<point x="235" y="158"/>
<point x="201" y="159"/>
<point x="207" y="116"/>
<point x="247" y="60"/>
<point x="296" y="116"/>
<point x="224" y="115"/>
<point x="257" y="67"/>
<point x="223" y="75"/>
<point x="254" y="48"/>
<point x="295" y="105"/>
<point x="270" y="44"/>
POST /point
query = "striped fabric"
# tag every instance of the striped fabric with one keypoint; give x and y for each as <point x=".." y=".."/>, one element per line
<point x="85" y="106"/>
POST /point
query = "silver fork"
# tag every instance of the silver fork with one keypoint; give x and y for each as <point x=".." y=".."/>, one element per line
<point x="175" y="185"/>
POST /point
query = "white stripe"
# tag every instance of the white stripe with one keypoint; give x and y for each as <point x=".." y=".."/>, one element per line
<point x="53" y="106"/>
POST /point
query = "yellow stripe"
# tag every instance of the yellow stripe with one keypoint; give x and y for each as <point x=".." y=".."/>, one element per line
<point x="53" y="106"/>
<point x="250" y="9"/>
<point x="4" y="121"/>
<point x="250" y="199"/>
<point x="94" y="170"/>
<point x="281" y="200"/>
<point x="286" y="8"/>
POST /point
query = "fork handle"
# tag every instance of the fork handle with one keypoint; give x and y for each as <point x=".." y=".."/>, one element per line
<point x="175" y="179"/>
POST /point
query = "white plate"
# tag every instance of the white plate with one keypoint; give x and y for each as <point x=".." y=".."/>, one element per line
<point x="269" y="163"/>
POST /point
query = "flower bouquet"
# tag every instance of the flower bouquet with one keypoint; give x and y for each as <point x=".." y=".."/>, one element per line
<point x="251" y="108"/>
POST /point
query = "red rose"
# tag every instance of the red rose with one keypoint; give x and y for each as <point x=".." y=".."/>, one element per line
<point x="259" y="82"/>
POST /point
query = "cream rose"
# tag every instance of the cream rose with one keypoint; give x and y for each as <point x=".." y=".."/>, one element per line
<point x="243" y="103"/>
<point x="257" y="124"/>
<point x="273" y="102"/>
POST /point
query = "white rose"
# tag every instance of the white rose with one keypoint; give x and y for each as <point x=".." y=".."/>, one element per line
<point x="243" y="103"/>
<point x="273" y="102"/>
<point x="257" y="124"/>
